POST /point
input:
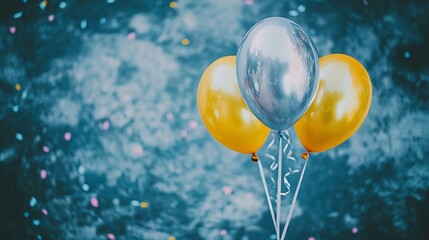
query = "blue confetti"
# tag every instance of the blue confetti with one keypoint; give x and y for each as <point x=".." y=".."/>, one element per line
<point x="15" y="108"/>
<point x="33" y="202"/>
<point x="63" y="5"/>
<point x="312" y="32"/>
<point x="17" y="15"/>
<point x="103" y="20"/>
<point x="85" y="187"/>
<point x="111" y="1"/>
<point x="39" y="237"/>
<point x="83" y="24"/>
<point x="42" y="5"/>
<point x="36" y="222"/>
<point x="407" y="54"/>
<point x="301" y="8"/>
<point x="19" y="136"/>
<point x="24" y="1"/>
<point x="135" y="203"/>
<point x="24" y="95"/>
<point x="26" y="214"/>
<point x="273" y="236"/>
<point x="293" y="13"/>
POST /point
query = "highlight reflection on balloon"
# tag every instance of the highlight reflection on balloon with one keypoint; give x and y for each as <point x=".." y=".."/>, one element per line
<point x="341" y="104"/>
<point x="277" y="72"/>
<point x="223" y="110"/>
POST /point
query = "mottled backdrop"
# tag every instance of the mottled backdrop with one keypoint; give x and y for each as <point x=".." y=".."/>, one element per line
<point x="100" y="136"/>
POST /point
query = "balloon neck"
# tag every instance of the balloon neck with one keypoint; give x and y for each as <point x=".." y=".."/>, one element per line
<point x="255" y="157"/>
<point x="305" y="155"/>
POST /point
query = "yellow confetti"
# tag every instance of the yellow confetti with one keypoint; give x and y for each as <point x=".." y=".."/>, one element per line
<point x="185" y="41"/>
<point x="171" y="238"/>
<point x="45" y="3"/>
<point x="144" y="204"/>
<point x="173" y="4"/>
<point x="17" y="87"/>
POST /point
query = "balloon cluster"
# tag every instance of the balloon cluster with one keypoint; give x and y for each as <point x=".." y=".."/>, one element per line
<point x="276" y="81"/>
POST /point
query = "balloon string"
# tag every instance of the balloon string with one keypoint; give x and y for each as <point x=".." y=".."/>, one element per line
<point x="261" y="171"/>
<point x="289" y="217"/>
<point x="279" y="188"/>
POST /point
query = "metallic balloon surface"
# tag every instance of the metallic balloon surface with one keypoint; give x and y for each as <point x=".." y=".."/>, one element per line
<point x="277" y="72"/>
<point x="223" y="110"/>
<point x="341" y="104"/>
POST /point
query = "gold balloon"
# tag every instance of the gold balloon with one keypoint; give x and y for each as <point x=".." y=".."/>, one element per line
<point x="340" y="106"/>
<point x="224" y="112"/>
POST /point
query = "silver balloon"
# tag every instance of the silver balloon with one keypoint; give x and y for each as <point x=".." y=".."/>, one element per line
<point x="277" y="72"/>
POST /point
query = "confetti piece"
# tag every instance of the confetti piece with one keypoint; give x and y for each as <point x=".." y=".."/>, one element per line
<point x="171" y="238"/>
<point x="26" y="214"/>
<point x="365" y="2"/>
<point x="407" y="54"/>
<point x="355" y="230"/>
<point x="301" y="8"/>
<point x="67" y="136"/>
<point x="36" y="222"/>
<point x="183" y="133"/>
<point x="44" y="211"/>
<point x="24" y="95"/>
<point x="63" y="5"/>
<point x="138" y="150"/>
<point x="170" y="116"/>
<point x="19" y="137"/>
<point x="115" y="201"/>
<point x="39" y="237"/>
<point x="94" y="202"/>
<point x="144" y="204"/>
<point x="33" y="202"/>
<point x="293" y="13"/>
<point x="111" y="236"/>
<point x="81" y="169"/>
<point x="111" y="1"/>
<point x="12" y="29"/>
<point x="45" y="149"/>
<point x="227" y="190"/>
<point x="248" y="2"/>
<point x="51" y="18"/>
<point x="311" y="238"/>
<point x="193" y="124"/>
<point x="43" y="4"/>
<point x="131" y="36"/>
<point x="17" y="87"/>
<point x="185" y="42"/>
<point x="43" y="174"/>
<point x="173" y="4"/>
<point x="135" y="203"/>
<point x="83" y="24"/>
<point x="103" y="20"/>
<point x="312" y="31"/>
<point x="15" y="108"/>
<point x="273" y="236"/>
<point x="85" y="187"/>
<point x="249" y="196"/>
<point x="17" y="15"/>
<point x="106" y="125"/>
<point x="24" y="1"/>
<point x="223" y="232"/>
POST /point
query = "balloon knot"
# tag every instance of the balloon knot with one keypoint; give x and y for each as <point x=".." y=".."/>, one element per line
<point x="305" y="155"/>
<point x="255" y="157"/>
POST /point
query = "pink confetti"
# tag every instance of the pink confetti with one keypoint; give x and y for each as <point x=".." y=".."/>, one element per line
<point x="193" y="124"/>
<point x="183" y="133"/>
<point x="138" y="150"/>
<point x="248" y="2"/>
<point x="94" y="202"/>
<point x="43" y="174"/>
<point x="170" y="116"/>
<point x="67" y="136"/>
<point x="131" y="36"/>
<point x="355" y="230"/>
<point x="51" y="18"/>
<point x="106" y="125"/>
<point x="249" y="196"/>
<point x="45" y="149"/>
<point x="223" y="232"/>
<point x="311" y="238"/>
<point x="44" y="211"/>
<point x="12" y="29"/>
<point x="111" y="236"/>
<point x="227" y="190"/>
